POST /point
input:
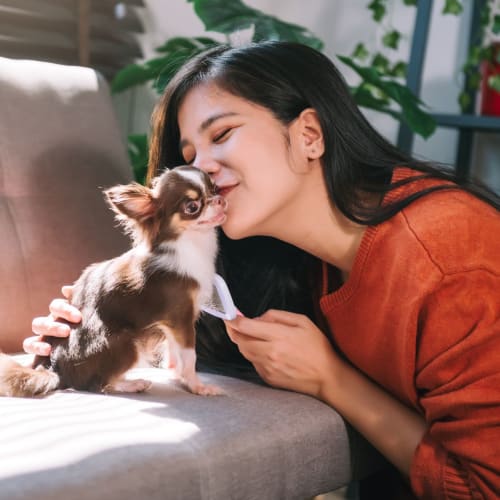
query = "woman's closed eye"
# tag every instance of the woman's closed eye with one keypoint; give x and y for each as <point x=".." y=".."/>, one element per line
<point x="188" y="153"/>
<point x="220" y="136"/>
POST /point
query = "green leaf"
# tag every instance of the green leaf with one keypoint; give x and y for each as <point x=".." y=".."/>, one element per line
<point x="138" y="151"/>
<point x="269" y="28"/>
<point x="173" y="63"/>
<point x="494" y="82"/>
<point x="473" y="81"/>
<point x="177" y="43"/>
<point x="380" y="63"/>
<point x="474" y="57"/>
<point x="496" y="24"/>
<point x="399" y="69"/>
<point x="227" y="17"/>
<point x="486" y="53"/>
<point x="484" y="15"/>
<point x="454" y="7"/>
<point x="360" y="52"/>
<point x="391" y="39"/>
<point x="410" y="2"/>
<point x="206" y="41"/>
<point x="366" y="99"/>
<point x="464" y="101"/>
<point x="378" y="10"/>
<point x="375" y="92"/>
<point x="175" y="52"/>
<point x="418" y="120"/>
<point x="137" y="74"/>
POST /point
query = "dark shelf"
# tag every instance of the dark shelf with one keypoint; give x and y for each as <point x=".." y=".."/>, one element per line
<point x="474" y="122"/>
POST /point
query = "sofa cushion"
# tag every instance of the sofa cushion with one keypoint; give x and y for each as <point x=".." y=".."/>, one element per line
<point x="59" y="147"/>
<point x="254" y="442"/>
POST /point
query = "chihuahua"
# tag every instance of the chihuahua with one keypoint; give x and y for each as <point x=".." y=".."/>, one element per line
<point x="142" y="304"/>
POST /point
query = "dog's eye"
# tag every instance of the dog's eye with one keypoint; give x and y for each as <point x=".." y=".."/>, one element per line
<point x="192" y="207"/>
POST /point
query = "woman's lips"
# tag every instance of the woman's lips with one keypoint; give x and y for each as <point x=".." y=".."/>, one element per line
<point x="224" y="190"/>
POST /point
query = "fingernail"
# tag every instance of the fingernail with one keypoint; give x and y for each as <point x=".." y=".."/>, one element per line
<point x="75" y="317"/>
<point x="44" y="351"/>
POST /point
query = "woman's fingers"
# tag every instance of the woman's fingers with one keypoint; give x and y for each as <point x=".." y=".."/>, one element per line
<point x="67" y="291"/>
<point x="53" y="325"/>
<point x="254" y="328"/>
<point x="45" y="326"/>
<point x="61" y="308"/>
<point x="266" y="327"/>
<point x="48" y="326"/>
<point x="33" y="345"/>
<point x="284" y="317"/>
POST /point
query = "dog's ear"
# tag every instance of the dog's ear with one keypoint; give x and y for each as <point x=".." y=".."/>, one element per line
<point x="133" y="201"/>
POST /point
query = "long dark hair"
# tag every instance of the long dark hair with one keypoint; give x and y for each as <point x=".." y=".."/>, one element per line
<point x="287" y="78"/>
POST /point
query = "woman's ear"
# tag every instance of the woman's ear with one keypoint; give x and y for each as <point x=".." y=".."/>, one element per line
<point x="310" y="134"/>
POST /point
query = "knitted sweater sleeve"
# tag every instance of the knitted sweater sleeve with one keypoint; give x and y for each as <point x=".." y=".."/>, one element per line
<point x="458" y="384"/>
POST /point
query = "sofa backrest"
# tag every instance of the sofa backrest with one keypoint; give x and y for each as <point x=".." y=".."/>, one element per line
<point x="60" y="145"/>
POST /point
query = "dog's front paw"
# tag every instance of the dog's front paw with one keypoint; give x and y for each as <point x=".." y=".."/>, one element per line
<point x="205" y="389"/>
<point x="137" y="385"/>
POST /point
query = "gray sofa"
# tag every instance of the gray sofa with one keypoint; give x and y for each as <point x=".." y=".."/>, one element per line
<point x="59" y="146"/>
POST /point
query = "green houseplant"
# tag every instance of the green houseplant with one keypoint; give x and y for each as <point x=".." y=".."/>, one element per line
<point x="380" y="86"/>
<point x="483" y="52"/>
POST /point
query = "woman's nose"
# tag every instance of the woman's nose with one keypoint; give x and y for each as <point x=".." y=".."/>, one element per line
<point x="208" y="165"/>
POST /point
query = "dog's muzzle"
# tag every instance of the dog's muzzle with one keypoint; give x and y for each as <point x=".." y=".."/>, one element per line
<point x="217" y="200"/>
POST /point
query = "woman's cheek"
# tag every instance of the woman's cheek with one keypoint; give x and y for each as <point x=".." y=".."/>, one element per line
<point x="234" y="227"/>
<point x="238" y="224"/>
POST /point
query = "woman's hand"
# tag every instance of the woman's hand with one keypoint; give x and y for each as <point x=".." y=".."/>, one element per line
<point x="288" y="350"/>
<point x="49" y="326"/>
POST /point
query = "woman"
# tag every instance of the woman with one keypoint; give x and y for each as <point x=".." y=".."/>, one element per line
<point x="366" y="278"/>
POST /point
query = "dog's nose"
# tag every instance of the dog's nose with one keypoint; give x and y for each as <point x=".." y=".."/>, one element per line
<point x="218" y="200"/>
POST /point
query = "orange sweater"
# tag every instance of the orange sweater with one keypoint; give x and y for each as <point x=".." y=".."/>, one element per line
<point x="420" y="315"/>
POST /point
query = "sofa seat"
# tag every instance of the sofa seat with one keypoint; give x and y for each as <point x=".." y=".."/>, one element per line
<point x="254" y="442"/>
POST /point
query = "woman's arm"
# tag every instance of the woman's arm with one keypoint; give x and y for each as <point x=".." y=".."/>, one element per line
<point x="393" y="428"/>
<point x="290" y="352"/>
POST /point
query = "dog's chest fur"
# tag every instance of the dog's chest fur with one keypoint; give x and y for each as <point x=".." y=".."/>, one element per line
<point x="192" y="254"/>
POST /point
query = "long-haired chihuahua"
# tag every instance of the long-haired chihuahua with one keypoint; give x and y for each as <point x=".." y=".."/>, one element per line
<point x="137" y="304"/>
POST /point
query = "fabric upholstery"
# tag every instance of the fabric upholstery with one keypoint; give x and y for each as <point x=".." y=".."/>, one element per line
<point x="252" y="443"/>
<point x="59" y="146"/>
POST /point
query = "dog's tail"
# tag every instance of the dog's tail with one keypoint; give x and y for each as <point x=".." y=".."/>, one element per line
<point x="22" y="381"/>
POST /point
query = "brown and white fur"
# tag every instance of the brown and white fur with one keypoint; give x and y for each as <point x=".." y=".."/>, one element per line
<point x="137" y="303"/>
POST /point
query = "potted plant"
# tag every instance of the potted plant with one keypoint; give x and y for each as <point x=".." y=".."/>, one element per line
<point x="380" y="86"/>
<point x="482" y="67"/>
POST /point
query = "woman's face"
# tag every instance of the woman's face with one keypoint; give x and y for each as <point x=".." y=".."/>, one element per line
<point x="245" y="150"/>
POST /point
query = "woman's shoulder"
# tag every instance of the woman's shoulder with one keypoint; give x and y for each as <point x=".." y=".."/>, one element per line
<point x="458" y="231"/>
